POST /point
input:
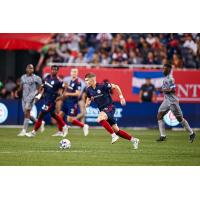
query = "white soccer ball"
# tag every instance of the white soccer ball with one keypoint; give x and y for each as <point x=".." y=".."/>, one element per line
<point x="65" y="144"/>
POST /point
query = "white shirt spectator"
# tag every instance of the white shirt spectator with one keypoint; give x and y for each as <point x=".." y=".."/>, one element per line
<point x="191" y="45"/>
<point x="104" y="36"/>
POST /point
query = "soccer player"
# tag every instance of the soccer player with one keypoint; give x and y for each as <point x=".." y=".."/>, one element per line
<point x="100" y="94"/>
<point x="171" y="103"/>
<point x="29" y="84"/>
<point x="51" y="87"/>
<point x="70" y="101"/>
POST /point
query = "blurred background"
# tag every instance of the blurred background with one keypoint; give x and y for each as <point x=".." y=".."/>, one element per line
<point x="132" y="60"/>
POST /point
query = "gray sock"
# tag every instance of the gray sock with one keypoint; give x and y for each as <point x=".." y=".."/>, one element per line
<point x="161" y="126"/>
<point x="26" y="122"/>
<point x="185" y="124"/>
<point x="33" y="119"/>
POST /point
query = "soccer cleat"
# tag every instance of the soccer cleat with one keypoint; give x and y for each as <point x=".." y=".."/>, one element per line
<point x="31" y="134"/>
<point x="161" y="139"/>
<point x="65" y="130"/>
<point x="114" y="138"/>
<point x="86" y="129"/>
<point x="58" y="134"/>
<point x="192" y="137"/>
<point x="42" y="128"/>
<point x="135" y="143"/>
<point x="22" y="133"/>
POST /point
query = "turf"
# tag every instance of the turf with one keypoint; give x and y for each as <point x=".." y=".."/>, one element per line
<point x="96" y="150"/>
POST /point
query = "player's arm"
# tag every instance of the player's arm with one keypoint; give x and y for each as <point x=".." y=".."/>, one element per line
<point x="18" y="90"/>
<point x="74" y="94"/>
<point x="88" y="102"/>
<point x="119" y="92"/>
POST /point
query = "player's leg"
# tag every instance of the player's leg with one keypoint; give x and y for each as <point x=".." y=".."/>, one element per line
<point x="163" y="109"/>
<point x="26" y="110"/>
<point x="102" y="119"/>
<point x="175" y="108"/>
<point x="81" y="115"/>
<point x="125" y="135"/>
<point x="62" y="127"/>
<point x="71" y="113"/>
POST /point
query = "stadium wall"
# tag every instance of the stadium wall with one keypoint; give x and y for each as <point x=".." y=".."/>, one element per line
<point x="132" y="115"/>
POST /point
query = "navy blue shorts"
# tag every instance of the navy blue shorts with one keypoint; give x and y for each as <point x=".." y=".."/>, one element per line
<point x="110" y="111"/>
<point x="70" y="108"/>
<point x="48" y="107"/>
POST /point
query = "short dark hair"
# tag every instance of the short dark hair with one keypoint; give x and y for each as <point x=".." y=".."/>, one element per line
<point x="167" y="65"/>
<point x="90" y="75"/>
<point x="29" y="65"/>
<point x="55" y="66"/>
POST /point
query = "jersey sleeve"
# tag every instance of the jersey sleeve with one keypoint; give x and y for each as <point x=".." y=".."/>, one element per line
<point x="78" y="86"/>
<point x="107" y="86"/>
<point x="171" y="83"/>
<point x="88" y="94"/>
<point x="38" y="80"/>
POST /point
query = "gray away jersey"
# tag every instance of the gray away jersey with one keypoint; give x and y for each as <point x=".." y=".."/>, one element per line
<point x="168" y="83"/>
<point x="30" y="85"/>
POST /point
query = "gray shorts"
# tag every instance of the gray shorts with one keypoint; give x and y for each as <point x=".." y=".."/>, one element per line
<point x="27" y="105"/>
<point x="174" y="107"/>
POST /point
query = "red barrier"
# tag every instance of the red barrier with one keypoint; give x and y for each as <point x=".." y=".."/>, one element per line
<point x="187" y="81"/>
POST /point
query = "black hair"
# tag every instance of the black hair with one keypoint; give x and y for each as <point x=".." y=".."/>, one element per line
<point x="55" y="66"/>
<point x="167" y="65"/>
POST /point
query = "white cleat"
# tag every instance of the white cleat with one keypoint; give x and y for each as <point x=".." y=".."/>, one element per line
<point x="86" y="129"/>
<point x="135" y="143"/>
<point x="42" y="128"/>
<point x="31" y="134"/>
<point x="65" y="131"/>
<point x="58" y="134"/>
<point x="114" y="138"/>
<point x="22" y="133"/>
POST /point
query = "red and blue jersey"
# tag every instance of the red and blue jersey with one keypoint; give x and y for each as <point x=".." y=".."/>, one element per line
<point x="51" y="85"/>
<point x="73" y="86"/>
<point x="101" y="95"/>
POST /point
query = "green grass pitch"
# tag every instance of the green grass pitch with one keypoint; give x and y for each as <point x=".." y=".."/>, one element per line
<point x="96" y="150"/>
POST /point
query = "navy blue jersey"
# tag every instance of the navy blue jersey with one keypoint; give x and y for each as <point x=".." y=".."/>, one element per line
<point x="52" y="84"/>
<point x="72" y="87"/>
<point x="100" y="95"/>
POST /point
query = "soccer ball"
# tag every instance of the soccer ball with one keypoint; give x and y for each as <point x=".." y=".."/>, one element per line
<point x="65" y="144"/>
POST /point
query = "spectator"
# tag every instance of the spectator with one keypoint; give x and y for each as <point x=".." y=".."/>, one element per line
<point x="147" y="92"/>
<point x="177" y="62"/>
<point x="189" y="43"/>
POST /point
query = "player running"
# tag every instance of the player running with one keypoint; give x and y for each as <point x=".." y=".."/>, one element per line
<point x="100" y="94"/>
<point x="171" y="103"/>
<point x="70" y="102"/>
<point x="29" y="84"/>
<point x="52" y="85"/>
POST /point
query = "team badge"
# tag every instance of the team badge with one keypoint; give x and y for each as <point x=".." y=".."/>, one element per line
<point x="52" y="82"/>
<point x="72" y="84"/>
<point x="98" y="91"/>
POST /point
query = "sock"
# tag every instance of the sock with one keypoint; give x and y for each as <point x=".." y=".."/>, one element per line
<point x="33" y="119"/>
<point x="124" y="135"/>
<point x="26" y="122"/>
<point x="37" y="124"/>
<point x="78" y="123"/>
<point x="107" y="126"/>
<point x="161" y="126"/>
<point x="185" y="124"/>
<point x="60" y="122"/>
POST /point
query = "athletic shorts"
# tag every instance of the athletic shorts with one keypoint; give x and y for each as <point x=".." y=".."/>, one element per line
<point x="48" y="107"/>
<point x="110" y="111"/>
<point x="174" y="107"/>
<point x="27" y="105"/>
<point x="70" y="108"/>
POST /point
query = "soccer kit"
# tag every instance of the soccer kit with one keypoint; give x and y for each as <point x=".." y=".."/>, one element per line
<point x="102" y="97"/>
<point x="51" y="85"/>
<point x="70" y="105"/>
<point x="170" y="102"/>
<point x="30" y="85"/>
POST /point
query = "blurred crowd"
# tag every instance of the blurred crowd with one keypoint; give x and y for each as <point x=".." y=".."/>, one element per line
<point x="181" y="50"/>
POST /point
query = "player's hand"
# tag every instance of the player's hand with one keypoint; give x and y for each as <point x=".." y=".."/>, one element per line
<point x="16" y="94"/>
<point x="123" y="101"/>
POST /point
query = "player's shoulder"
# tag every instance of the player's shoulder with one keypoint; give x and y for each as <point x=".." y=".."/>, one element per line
<point x="59" y="79"/>
<point x="170" y="78"/>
